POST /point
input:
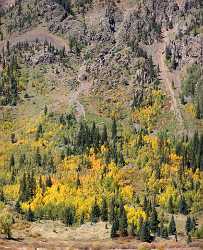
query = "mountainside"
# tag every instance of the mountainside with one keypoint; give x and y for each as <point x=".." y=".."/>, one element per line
<point x="101" y="124"/>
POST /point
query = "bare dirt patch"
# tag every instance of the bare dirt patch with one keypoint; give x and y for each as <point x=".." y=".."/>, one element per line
<point x="168" y="78"/>
<point x="38" y="33"/>
<point x="83" y="89"/>
<point x="6" y="3"/>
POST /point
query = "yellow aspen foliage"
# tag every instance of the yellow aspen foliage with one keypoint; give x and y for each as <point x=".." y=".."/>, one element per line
<point x="127" y="193"/>
<point x="147" y="114"/>
<point x="197" y="176"/>
<point x="11" y="191"/>
<point x="164" y="197"/>
<point x="21" y="142"/>
<point x="113" y="171"/>
<point x="84" y="206"/>
<point x="25" y="206"/>
<point x="96" y="163"/>
<point x="31" y="130"/>
<point x="165" y="170"/>
<point x="37" y="201"/>
<point x="191" y="109"/>
<point x="70" y="163"/>
<point x="134" y="215"/>
<point x="6" y="126"/>
<point x="104" y="149"/>
<point x="197" y="203"/>
<point x="153" y="183"/>
<point x="152" y="140"/>
<point x="175" y="159"/>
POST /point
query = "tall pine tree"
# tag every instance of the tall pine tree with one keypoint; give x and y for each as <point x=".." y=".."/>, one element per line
<point x="114" y="130"/>
<point x="104" y="210"/>
<point x="172" y="227"/>
<point x="153" y="221"/>
<point x="95" y="212"/>
<point x="145" y="233"/>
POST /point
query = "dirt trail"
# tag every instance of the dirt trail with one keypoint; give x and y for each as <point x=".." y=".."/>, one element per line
<point x="167" y="77"/>
<point x="83" y="88"/>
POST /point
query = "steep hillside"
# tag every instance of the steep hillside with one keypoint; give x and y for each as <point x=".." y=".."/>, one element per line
<point x="101" y="122"/>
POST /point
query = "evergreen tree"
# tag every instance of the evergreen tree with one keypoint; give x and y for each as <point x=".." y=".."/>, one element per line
<point x="69" y="216"/>
<point x="164" y="233"/>
<point x="104" y="136"/>
<point x="104" y="210"/>
<point x="134" y="103"/>
<point x="121" y="208"/>
<point x="8" y="47"/>
<point x="13" y="138"/>
<point x="23" y="196"/>
<point x="13" y="176"/>
<point x="12" y="162"/>
<point x="112" y="211"/>
<point x="123" y="223"/>
<point x="121" y="161"/>
<point x="18" y="207"/>
<point x="97" y="138"/>
<point x="39" y="132"/>
<point x="193" y="224"/>
<point x="114" y="130"/>
<point x="188" y="225"/>
<point x="173" y="63"/>
<point x="78" y="181"/>
<point x="170" y="205"/>
<point x="161" y="227"/>
<point x="30" y="215"/>
<point x="114" y="230"/>
<point x="31" y="185"/>
<point x="45" y="110"/>
<point x="138" y="200"/>
<point x="149" y="208"/>
<point x="93" y="133"/>
<point x="22" y="160"/>
<point x="195" y="142"/>
<point x="28" y="187"/>
<point x="82" y="219"/>
<point x="140" y="223"/>
<point x="62" y="156"/>
<point x="115" y="153"/>
<point x="95" y="213"/>
<point x="38" y="158"/>
<point x="145" y="204"/>
<point x="132" y="230"/>
<point x="40" y="182"/>
<point x="183" y="209"/>
<point x="2" y="198"/>
<point x="145" y="233"/>
<point x="172" y="226"/>
<point x="189" y="239"/>
<point x="198" y="112"/>
<point x="200" y="154"/>
<point x="51" y="166"/>
<point x="154" y="222"/>
<point x="116" y="220"/>
<point x="48" y="181"/>
<point x="81" y="141"/>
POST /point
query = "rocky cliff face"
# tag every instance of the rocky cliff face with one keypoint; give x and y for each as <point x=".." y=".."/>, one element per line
<point x="110" y="37"/>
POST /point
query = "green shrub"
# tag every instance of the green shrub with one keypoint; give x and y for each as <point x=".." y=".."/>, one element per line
<point x="199" y="233"/>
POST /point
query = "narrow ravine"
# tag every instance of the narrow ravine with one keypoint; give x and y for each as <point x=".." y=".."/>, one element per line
<point x="83" y="88"/>
<point x="167" y="77"/>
